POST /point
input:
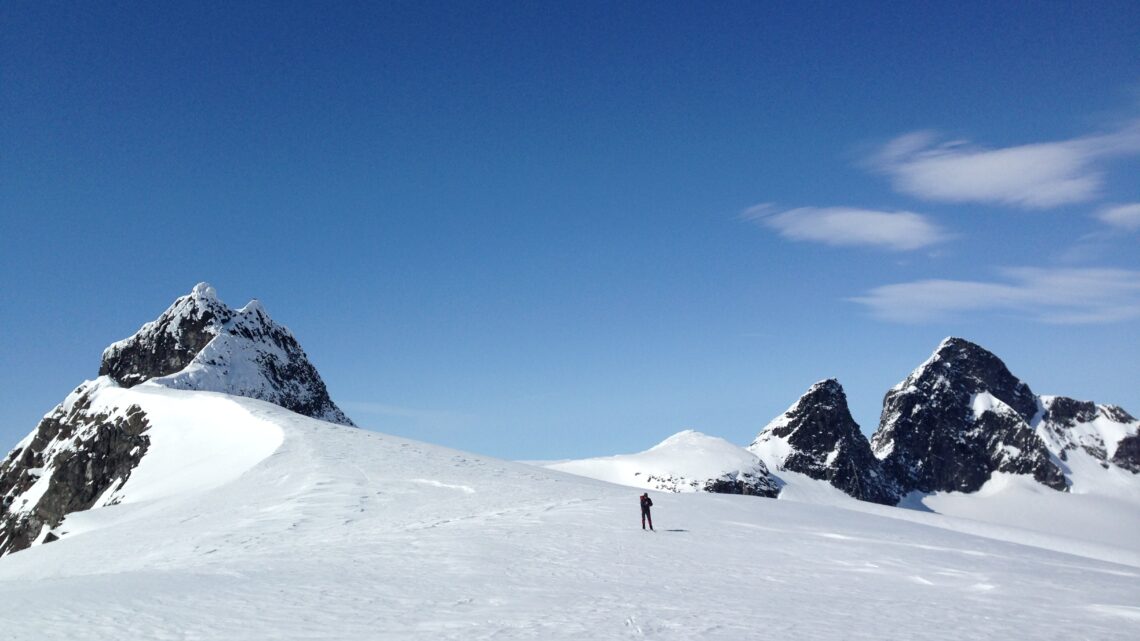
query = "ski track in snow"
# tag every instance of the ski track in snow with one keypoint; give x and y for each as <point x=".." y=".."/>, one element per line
<point x="346" y="534"/>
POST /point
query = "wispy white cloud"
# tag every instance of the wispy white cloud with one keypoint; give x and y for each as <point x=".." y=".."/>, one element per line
<point x="1126" y="217"/>
<point x="1057" y="295"/>
<point x="848" y="226"/>
<point x="1033" y="176"/>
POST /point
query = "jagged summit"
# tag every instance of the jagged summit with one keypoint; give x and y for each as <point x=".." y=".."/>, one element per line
<point x="956" y="419"/>
<point x="168" y="343"/>
<point x="199" y="343"/>
<point x="976" y="367"/>
<point x="817" y="437"/>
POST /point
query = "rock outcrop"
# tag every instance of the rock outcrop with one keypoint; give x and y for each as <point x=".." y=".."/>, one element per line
<point x="1127" y="453"/>
<point x="75" y="459"/>
<point x="958" y="418"/>
<point x="817" y="437"/>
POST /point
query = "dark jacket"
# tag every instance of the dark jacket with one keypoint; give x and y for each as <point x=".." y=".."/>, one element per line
<point x="646" y="502"/>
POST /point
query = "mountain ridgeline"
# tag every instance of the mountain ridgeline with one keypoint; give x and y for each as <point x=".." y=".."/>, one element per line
<point x="957" y="419"/>
<point x="83" y="452"/>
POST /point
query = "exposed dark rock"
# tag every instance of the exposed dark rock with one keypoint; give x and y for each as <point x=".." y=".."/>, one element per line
<point x="817" y="437"/>
<point x="958" y="418"/>
<point x="82" y="454"/>
<point x="170" y="342"/>
<point x="1128" y="453"/>
<point x="746" y="484"/>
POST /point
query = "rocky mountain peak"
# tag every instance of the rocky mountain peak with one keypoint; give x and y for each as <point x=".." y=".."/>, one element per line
<point x="817" y="437"/>
<point x="825" y="391"/>
<point x="200" y="343"/>
<point x="968" y="366"/>
<point x="85" y="449"/>
<point x="1069" y="426"/>
<point x="168" y="343"/>
<point x="956" y="419"/>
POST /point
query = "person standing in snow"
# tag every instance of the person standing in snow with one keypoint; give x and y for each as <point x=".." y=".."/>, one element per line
<point x="646" y="503"/>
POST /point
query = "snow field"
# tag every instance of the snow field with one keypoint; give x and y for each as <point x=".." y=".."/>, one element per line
<point x="344" y="534"/>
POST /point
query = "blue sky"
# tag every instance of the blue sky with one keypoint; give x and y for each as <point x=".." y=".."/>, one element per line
<point x="536" y="231"/>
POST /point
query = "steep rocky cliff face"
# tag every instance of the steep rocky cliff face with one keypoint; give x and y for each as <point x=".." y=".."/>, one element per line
<point x="74" y="460"/>
<point x="817" y="437"/>
<point x="78" y="456"/>
<point x="958" y="418"/>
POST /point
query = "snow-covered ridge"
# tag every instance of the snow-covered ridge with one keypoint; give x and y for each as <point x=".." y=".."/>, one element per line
<point x="687" y="461"/>
<point x="1066" y="424"/>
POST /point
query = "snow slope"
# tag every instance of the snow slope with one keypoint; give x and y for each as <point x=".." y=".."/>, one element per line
<point x="317" y="531"/>
<point x="685" y="462"/>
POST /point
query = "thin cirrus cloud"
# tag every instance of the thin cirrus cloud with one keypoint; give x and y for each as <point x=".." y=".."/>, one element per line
<point x="1033" y="176"/>
<point x="1126" y="217"/>
<point x="1055" y="295"/>
<point x="848" y="226"/>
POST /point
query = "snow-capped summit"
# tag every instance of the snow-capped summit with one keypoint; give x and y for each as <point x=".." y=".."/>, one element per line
<point x="199" y="343"/>
<point x="958" y="418"/>
<point x="817" y="437"/>
<point x="687" y="461"/>
<point x="85" y="450"/>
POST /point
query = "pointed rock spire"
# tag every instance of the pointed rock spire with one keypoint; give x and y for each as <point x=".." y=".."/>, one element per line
<point x="817" y="437"/>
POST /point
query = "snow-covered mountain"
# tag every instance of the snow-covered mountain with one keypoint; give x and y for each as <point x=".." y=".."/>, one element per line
<point x="83" y="452"/>
<point x="957" y="419"/>
<point x="685" y="462"/>
<point x="199" y="343"/>
<point x="817" y="437"/>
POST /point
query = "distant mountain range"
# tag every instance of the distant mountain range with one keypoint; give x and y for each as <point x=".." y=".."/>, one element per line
<point x="957" y="420"/>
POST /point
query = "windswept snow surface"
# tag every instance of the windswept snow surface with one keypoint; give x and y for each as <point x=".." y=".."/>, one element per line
<point x="327" y="532"/>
